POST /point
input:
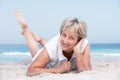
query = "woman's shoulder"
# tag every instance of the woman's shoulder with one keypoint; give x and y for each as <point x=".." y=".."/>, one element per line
<point x="85" y="41"/>
<point x="52" y="43"/>
<point x="83" y="45"/>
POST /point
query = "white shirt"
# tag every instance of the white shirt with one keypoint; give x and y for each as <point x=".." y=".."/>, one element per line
<point x="55" y="53"/>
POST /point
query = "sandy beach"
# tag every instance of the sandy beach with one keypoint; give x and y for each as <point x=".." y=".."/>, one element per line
<point x="101" y="70"/>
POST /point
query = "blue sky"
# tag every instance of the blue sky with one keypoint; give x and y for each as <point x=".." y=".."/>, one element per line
<point x="45" y="17"/>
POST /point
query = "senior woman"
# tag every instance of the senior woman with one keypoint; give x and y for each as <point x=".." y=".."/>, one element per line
<point x="67" y="51"/>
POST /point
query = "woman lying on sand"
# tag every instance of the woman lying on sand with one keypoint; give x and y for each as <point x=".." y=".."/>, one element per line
<point x="67" y="51"/>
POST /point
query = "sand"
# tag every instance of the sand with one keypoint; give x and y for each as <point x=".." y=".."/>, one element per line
<point x="101" y="70"/>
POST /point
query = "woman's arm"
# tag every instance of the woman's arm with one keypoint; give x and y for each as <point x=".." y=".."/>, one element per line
<point x="82" y="59"/>
<point x="38" y="66"/>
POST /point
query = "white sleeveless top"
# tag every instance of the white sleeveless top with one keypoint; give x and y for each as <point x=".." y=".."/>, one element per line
<point x="55" y="53"/>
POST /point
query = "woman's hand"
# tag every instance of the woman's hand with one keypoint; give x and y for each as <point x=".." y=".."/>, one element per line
<point x="78" y="46"/>
<point x="82" y="58"/>
<point x="64" y="67"/>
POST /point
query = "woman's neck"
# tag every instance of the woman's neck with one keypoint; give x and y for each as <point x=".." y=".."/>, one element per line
<point x="68" y="55"/>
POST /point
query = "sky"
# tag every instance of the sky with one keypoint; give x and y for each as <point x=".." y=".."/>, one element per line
<point x="45" y="17"/>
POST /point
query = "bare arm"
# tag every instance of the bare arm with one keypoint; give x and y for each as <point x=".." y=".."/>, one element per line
<point x="82" y="59"/>
<point x="38" y="66"/>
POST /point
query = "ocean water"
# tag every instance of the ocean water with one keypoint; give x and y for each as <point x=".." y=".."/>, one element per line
<point x="105" y="51"/>
<point x="18" y="53"/>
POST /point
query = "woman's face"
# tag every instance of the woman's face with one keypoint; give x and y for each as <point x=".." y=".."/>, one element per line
<point x="68" y="40"/>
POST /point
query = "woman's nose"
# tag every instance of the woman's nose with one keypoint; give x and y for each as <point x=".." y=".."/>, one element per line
<point x="65" y="40"/>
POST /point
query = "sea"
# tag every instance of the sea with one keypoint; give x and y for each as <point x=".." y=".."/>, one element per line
<point x="20" y="52"/>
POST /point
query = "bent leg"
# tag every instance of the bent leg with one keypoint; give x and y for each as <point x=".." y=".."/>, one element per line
<point x="39" y="39"/>
<point x="28" y="35"/>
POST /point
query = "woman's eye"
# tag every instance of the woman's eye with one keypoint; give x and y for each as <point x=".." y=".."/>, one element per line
<point x="71" y="38"/>
<point x="63" y="35"/>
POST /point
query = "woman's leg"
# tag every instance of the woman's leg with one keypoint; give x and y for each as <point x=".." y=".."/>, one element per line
<point x="39" y="39"/>
<point x="28" y="35"/>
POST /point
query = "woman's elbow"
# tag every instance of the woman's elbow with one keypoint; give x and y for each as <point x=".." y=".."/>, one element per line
<point x="84" y="69"/>
<point x="31" y="72"/>
<point x="88" y="68"/>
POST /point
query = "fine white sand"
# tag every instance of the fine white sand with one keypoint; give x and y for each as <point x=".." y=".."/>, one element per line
<point x="101" y="70"/>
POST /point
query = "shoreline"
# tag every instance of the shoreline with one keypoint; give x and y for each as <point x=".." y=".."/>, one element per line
<point x="101" y="70"/>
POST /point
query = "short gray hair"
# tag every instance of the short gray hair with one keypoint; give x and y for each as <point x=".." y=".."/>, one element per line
<point x="77" y="25"/>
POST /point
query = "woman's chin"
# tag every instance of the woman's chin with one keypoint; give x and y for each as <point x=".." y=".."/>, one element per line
<point x="64" y="49"/>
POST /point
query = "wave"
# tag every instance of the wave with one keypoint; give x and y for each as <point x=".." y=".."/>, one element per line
<point x="118" y="55"/>
<point x="15" y="53"/>
<point x="107" y="54"/>
<point x="28" y="54"/>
